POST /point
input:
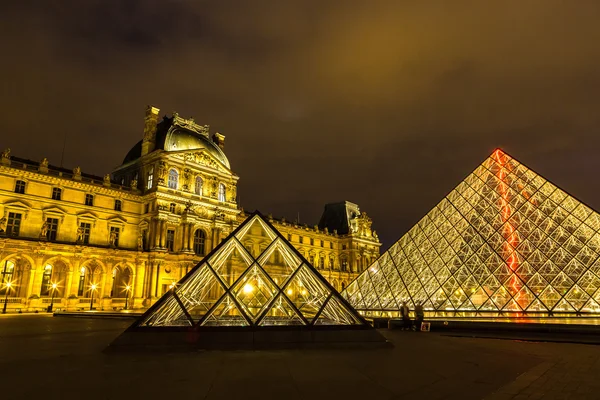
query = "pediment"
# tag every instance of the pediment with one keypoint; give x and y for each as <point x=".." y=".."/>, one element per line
<point x="54" y="210"/>
<point x="17" y="204"/>
<point x="201" y="157"/>
<point x="116" y="219"/>
<point x="87" y="215"/>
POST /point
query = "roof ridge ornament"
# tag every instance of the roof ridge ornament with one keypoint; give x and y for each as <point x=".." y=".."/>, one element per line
<point x="190" y="124"/>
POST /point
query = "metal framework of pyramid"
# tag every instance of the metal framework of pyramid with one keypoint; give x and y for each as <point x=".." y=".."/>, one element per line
<point x="264" y="284"/>
<point x="505" y="240"/>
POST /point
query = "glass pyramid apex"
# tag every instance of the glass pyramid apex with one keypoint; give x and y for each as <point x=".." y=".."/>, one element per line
<point x="255" y="278"/>
<point x="504" y="240"/>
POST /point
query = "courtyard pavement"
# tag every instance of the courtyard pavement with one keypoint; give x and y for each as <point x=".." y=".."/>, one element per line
<point x="60" y="358"/>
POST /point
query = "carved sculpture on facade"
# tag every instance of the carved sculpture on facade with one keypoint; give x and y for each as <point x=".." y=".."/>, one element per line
<point x="2" y="224"/>
<point x="80" y="233"/>
<point x="77" y="173"/>
<point x="43" y="165"/>
<point x="140" y="242"/>
<point x="186" y="179"/>
<point x="134" y="184"/>
<point x="161" y="172"/>
<point x="107" y="180"/>
<point x="44" y="230"/>
<point x="5" y="157"/>
<point x="112" y="239"/>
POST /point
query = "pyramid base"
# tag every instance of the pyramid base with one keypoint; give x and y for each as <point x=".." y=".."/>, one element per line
<point x="246" y="338"/>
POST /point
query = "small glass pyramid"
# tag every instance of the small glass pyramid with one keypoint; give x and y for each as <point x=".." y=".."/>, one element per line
<point x="254" y="278"/>
<point x="504" y="240"/>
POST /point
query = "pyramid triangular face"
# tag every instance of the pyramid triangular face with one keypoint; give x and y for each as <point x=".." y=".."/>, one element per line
<point x="254" y="278"/>
<point x="504" y="240"/>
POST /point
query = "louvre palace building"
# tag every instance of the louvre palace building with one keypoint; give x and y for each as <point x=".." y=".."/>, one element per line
<point x="78" y="241"/>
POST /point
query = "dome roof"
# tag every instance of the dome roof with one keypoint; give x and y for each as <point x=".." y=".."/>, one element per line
<point x="178" y="134"/>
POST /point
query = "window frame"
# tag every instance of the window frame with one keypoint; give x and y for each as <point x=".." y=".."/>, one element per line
<point x="89" y="200"/>
<point x="173" y="179"/>
<point x="199" y="242"/>
<point x="170" y="240"/>
<point x="20" y="186"/>
<point x="52" y="233"/>
<point x="118" y="205"/>
<point x="12" y="221"/>
<point x="56" y="193"/>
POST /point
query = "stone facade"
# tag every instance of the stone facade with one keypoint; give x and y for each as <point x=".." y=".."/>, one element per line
<point x="80" y="241"/>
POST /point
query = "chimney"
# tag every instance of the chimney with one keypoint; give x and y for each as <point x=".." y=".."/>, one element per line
<point x="150" y="122"/>
<point x="219" y="140"/>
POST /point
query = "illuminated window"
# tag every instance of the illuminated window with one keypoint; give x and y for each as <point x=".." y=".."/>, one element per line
<point x="89" y="199"/>
<point x="221" y="192"/>
<point x="312" y="241"/>
<point x="52" y="228"/>
<point x="86" y="227"/>
<point x="198" y="186"/>
<point x="115" y="232"/>
<point x="311" y="260"/>
<point x="331" y="262"/>
<point x="8" y="270"/>
<point x="172" y="207"/>
<point x="46" y="277"/>
<point x="118" y="205"/>
<point x="150" y="179"/>
<point x="199" y="238"/>
<point x="13" y="224"/>
<point x="344" y="264"/>
<point x="343" y="247"/>
<point x="81" y="286"/>
<point x="20" y="187"/>
<point x="321" y="262"/>
<point x="173" y="179"/>
<point x="56" y="193"/>
<point x="170" y="239"/>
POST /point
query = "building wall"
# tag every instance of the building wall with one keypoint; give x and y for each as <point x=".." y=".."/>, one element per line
<point x="102" y="273"/>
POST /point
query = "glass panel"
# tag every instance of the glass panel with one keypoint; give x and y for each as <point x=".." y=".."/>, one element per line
<point x="199" y="292"/>
<point x="254" y="291"/>
<point x="230" y="261"/>
<point x="335" y="313"/>
<point x="168" y="313"/>
<point x="279" y="262"/>
<point x="281" y="313"/>
<point x="226" y="313"/>
<point x="306" y="292"/>
<point x="257" y="232"/>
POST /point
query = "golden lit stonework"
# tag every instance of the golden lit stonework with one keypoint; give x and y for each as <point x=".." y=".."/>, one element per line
<point x="78" y="241"/>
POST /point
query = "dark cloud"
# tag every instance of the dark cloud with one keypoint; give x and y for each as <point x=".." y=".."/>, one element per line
<point x="388" y="104"/>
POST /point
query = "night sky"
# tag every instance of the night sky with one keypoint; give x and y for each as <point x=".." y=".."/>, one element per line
<point x="386" y="104"/>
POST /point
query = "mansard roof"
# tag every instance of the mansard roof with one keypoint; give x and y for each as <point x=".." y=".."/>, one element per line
<point x="177" y="134"/>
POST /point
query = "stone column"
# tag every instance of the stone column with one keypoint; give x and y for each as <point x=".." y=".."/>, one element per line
<point x="151" y="243"/>
<point x="163" y="234"/>
<point x="191" y="237"/>
<point x="185" y="228"/>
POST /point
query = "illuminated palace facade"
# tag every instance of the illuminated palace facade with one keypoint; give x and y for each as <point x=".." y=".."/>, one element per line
<point x="79" y="241"/>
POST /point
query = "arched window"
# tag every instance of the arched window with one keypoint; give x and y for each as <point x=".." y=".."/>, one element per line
<point x="82" y="276"/>
<point x="46" y="280"/>
<point x="121" y="280"/>
<point x="150" y="178"/>
<point x="199" y="239"/>
<point x="53" y="274"/>
<point x="173" y="179"/>
<point x="221" y="192"/>
<point x="6" y="276"/>
<point x="198" y="187"/>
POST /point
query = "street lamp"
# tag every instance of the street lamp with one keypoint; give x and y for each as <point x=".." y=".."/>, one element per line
<point x="92" y="299"/>
<point x="54" y="286"/>
<point x="127" y="289"/>
<point x="7" y="287"/>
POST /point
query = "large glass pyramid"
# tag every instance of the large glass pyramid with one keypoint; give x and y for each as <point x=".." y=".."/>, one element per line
<point x="504" y="240"/>
<point x="254" y="278"/>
